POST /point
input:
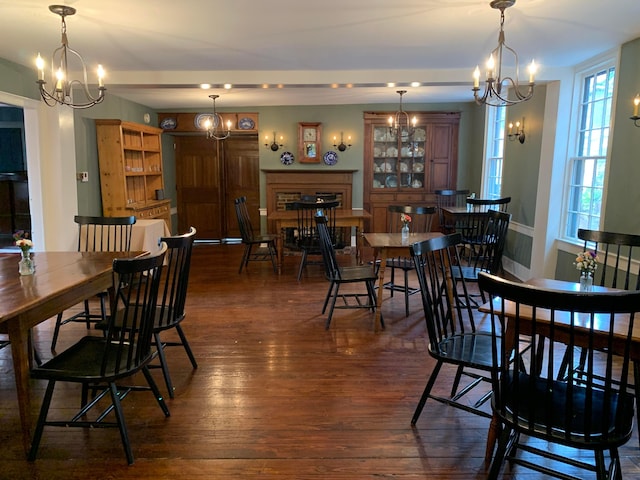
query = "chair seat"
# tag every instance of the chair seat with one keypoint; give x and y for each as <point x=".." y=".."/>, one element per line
<point x="473" y="350"/>
<point x="357" y="274"/>
<point x="402" y="263"/>
<point x="554" y="401"/>
<point x="83" y="362"/>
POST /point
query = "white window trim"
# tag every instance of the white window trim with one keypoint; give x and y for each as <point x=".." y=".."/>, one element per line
<point x="605" y="60"/>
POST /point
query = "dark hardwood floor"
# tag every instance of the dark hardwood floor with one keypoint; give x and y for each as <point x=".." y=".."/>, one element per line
<point x="276" y="396"/>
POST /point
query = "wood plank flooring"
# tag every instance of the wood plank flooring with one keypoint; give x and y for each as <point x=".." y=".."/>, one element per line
<point x="276" y="396"/>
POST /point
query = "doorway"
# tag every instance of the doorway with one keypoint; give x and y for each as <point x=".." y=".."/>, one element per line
<point x="210" y="175"/>
<point x="14" y="187"/>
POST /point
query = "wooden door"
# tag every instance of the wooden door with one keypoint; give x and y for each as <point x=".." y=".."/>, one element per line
<point x="241" y="178"/>
<point x="443" y="147"/>
<point x="198" y="181"/>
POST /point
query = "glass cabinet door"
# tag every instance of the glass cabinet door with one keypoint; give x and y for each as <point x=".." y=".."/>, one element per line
<point x="398" y="162"/>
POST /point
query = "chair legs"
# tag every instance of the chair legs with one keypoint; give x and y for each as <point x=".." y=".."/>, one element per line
<point x="333" y="295"/>
<point x="116" y="407"/>
<point x="160" y="346"/>
<point x="246" y="256"/>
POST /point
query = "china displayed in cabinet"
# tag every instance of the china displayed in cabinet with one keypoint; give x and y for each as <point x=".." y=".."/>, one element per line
<point x="406" y="167"/>
<point x="131" y="177"/>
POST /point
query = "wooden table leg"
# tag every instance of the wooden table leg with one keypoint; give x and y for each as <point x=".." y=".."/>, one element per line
<point x="382" y="254"/>
<point x="492" y="436"/>
<point x="19" y="338"/>
<point x="280" y="247"/>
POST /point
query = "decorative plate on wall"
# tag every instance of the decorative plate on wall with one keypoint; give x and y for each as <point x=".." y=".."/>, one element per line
<point x="286" y="158"/>
<point x="330" y="158"/>
<point x="246" y="123"/>
<point x="168" y="124"/>
<point x="201" y="118"/>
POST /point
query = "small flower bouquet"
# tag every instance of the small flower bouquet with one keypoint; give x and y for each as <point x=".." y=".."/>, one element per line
<point x="22" y="240"/>
<point x="405" y="219"/>
<point x="587" y="263"/>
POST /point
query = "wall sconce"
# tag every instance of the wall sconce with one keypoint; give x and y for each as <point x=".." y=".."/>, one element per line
<point x="635" y="118"/>
<point x="516" y="132"/>
<point x="341" y="146"/>
<point x="274" y="146"/>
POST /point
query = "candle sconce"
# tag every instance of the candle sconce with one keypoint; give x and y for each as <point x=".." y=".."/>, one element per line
<point x="274" y="146"/>
<point x="635" y="117"/>
<point x="342" y="146"/>
<point x="516" y="132"/>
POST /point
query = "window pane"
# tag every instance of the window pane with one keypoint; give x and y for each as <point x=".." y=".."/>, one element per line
<point x="588" y="167"/>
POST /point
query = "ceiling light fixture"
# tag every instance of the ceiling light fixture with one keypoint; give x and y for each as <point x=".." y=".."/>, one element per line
<point x="498" y="83"/>
<point x="399" y="123"/>
<point x="60" y="93"/>
<point x="215" y="125"/>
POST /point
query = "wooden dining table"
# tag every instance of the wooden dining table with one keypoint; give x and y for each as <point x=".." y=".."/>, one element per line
<point x="61" y="280"/>
<point x="621" y="325"/>
<point x="388" y="245"/>
<point x="345" y="217"/>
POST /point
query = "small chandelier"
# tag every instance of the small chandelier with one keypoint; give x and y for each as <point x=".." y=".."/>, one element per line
<point x="214" y="121"/>
<point x="399" y="123"/>
<point x="60" y="93"/>
<point x="497" y="86"/>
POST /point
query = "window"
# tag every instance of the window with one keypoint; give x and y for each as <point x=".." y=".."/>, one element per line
<point x="587" y="163"/>
<point x="495" y="153"/>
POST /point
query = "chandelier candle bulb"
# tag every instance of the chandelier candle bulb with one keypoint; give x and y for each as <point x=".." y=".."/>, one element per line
<point x="636" y="102"/>
<point x="100" y="76"/>
<point x="476" y="77"/>
<point x="532" y="71"/>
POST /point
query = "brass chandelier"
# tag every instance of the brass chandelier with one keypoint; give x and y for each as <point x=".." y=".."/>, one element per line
<point x="498" y="82"/>
<point x="60" y="92"/>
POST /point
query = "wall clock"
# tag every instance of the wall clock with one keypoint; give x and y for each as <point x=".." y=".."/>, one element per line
<point x="309" y="142"/>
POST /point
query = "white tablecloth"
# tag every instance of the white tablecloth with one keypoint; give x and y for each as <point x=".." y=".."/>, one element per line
<point x="147" y="233"/>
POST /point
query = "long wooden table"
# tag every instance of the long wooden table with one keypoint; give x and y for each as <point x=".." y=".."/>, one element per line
<point x="61" y="280"/>
<point x="344" y="218"/>
<point x="388" y="245"/>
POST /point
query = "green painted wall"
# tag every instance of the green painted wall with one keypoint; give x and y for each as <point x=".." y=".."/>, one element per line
<point x="18" y="79"/>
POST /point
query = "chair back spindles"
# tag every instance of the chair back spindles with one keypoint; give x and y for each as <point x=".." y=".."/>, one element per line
<point x="104" y="234"/>
<point x="615" y="252"/>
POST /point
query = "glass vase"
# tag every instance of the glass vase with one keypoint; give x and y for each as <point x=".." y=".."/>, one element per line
<point x="26" y="265"/>
<point x="586" y="282"/>
<point x="405" y="231"/>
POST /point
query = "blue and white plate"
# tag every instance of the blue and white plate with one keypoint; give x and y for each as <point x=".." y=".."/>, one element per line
<point x="168" y="124"/>
<point x="330" y="158"/>
<point x="246" y="123"/>
<point x="286" y="158"/>
<point x="201" y="118"/>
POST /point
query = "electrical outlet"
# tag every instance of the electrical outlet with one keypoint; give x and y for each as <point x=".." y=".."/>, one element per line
<point x="82" y="176"/>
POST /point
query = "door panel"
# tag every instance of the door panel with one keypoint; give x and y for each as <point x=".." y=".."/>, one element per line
<point x="198" y="179"/>
<point x="242" y="178"/>
<point x="210" y="175"/>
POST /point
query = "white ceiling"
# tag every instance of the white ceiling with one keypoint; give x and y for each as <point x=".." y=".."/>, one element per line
<point x="157" y="53"/>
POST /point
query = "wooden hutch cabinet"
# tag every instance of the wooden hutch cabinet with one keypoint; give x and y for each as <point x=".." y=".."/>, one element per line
<point x="131" y="179"/>
<point x="400" y="170"/>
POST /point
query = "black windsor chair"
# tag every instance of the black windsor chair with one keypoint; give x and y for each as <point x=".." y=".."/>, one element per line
<point x="307" y="240"/>
<point x="586" y="413"/>
<point x="339" y="275"/>
<point x="97" y="234"/>
<point x="454" y="338"/>
<point x="265" y="245"/>
<point x="421" y="221"/>
<point x="449" y="198"/>
<point x="102" y="362"/>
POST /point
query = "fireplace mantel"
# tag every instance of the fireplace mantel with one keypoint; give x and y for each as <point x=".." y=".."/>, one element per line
<point x="287" y="185"/>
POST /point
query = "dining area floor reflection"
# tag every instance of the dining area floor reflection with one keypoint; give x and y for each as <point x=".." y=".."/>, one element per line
<point x="275" y="395"/>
